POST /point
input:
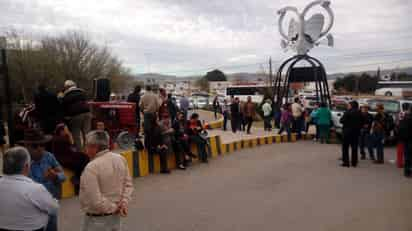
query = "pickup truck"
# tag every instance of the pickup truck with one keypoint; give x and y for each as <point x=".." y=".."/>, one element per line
<point x="392" y="107"/>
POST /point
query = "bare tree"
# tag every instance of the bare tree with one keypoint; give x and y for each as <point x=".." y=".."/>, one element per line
<point x="51" y="60"/>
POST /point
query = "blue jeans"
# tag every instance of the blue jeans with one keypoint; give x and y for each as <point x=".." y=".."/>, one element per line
<point x="297" y="126"/>
<point x="376" y="142"/>
<point x="201" y="147"/>
<point x="225" y="116"/>
<point x="364" y="140"/>
<point x="285" y="127"/>
<point x="52" y="224"/>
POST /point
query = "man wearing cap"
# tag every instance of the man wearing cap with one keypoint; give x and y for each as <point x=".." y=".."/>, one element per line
<point x="77" y="112"/>
<point x="105" y="186"/>
<point x="44" y="168"/>
<point x="364" y="138"/>
<point x="24" y="204"/>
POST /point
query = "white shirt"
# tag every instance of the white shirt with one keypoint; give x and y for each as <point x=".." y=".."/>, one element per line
<point x="296" y="110"/>
<point x="105" y="182"/>
<point x="24" y="204"/>
<point x="267" y="109"/>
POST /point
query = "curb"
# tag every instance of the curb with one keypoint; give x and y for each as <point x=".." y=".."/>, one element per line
<point x="141" y="165"/>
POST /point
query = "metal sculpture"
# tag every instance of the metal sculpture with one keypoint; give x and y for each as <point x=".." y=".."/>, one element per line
<point x="302" y="36"/>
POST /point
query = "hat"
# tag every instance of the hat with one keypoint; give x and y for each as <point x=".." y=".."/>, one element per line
<point x="69" y="83"/>
<point x="363" y="105"/>
<point x="35" y="136"/>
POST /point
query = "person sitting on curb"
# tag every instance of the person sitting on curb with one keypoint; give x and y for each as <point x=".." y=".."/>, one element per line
<point x="194" y="129"/>
<point x="66" y="154"/>
<point x="157" y="144"/>
<point x="44" y="169"/>
<point x="25" y="204"/>
<point x="181" y="142"/>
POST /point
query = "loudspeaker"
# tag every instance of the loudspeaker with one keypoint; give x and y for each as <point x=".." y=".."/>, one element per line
<point x="101" y="90"/>
<point x="305" y="74"/>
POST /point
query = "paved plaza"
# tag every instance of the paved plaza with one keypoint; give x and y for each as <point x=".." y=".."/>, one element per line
<point x="285" y="186"/>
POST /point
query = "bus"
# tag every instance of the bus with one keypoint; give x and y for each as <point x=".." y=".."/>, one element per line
<point x="257" y="92"/>
<point x="394" y="88"/>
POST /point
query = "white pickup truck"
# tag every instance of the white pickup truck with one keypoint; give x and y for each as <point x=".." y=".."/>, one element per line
<point x="392" y="107"/>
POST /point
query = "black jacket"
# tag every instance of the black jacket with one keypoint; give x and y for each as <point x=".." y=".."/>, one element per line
<point x="235" y="110"/>
<point x="171" y="107"/>
<point x="367" y="120"/>
<point x="47" y="104"/>
<point x="48" y="109"/>
<point x="405" y="129"/>
<point x="352" y="122"/>
<point x="75" y="102"/>
<point x="135" y="98"/>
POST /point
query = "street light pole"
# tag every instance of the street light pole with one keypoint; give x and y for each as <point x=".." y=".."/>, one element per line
<point x="4" y="71"/>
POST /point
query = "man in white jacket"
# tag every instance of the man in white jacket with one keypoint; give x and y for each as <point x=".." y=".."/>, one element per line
<point x="25" y="205"/>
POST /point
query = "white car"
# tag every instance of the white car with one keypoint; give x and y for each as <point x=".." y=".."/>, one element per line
<point x="337" y="113"/>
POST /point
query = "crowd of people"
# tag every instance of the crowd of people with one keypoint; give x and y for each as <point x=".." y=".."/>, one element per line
<point x="367" y="132"/>
<point x="56" y="132"/>
<point x="52" y="133"/>
<point x="167" y="128"/>
<point x="32" y="181"/>
<point x="289" y="117"/>
<point x="62" y="136"/>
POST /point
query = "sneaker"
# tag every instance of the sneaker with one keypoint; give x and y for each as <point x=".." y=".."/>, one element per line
<point x="165" y="172"/>
<point x="181" y="167"/>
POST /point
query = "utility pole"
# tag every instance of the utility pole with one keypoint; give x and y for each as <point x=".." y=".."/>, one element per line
<point x="4" y="71"/>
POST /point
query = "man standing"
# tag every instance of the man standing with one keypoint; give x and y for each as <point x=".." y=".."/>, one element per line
<point x="226" y="112"/>
<point x="25" y="205"/>
<point x="44" y="169"/>
<point x="105" y="186"/>
<point x="405" y="135"/>
<point x="364" y="138"/>
<point x="216" y="106"/>
<point x="77" y="111"/>
<point x="235" y="114"/>
<point x="297" y="111"/>
<point x="184" y="105"/>
<point x="134" y="97"/>
<point x="267" y="114"/>
<point x="351" y="121"/>
<point x="377" y="137"/>
<point x="149" y="105"/>
<point x="48" y="108"/>
<point x="172" y="108"/>
<point x="250" y="112"/>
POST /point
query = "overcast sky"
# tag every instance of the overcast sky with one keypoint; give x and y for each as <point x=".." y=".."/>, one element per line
<point x="181" y="37"/>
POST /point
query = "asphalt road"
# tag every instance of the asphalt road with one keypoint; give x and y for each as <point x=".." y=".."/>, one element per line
<point x="284" y="187"/>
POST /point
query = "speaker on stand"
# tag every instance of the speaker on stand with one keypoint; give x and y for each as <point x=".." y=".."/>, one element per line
<point x="101" y="90"/>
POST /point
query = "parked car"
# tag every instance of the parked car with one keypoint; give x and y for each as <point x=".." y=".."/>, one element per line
<point x="392" y="106"/>
<point x="309" y="102"/>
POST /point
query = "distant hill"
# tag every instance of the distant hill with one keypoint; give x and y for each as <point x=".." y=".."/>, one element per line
<point x="258" y="76"/>
<point x="384" y="72"/>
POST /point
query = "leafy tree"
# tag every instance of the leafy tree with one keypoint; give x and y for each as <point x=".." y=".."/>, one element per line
<point x="364" y="83"/>
<point x="216" y="75"/>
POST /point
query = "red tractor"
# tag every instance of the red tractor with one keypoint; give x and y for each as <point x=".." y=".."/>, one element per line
<point x="119" y="119"/>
